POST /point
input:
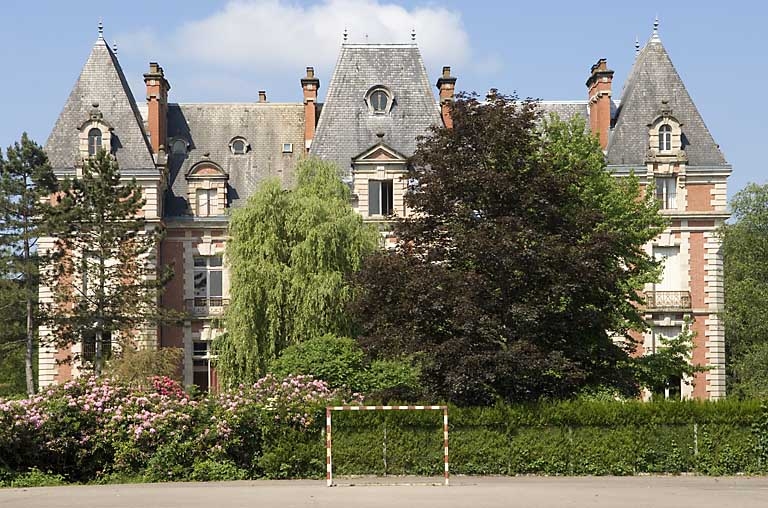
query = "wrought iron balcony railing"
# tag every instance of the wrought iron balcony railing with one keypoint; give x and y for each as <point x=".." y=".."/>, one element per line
<point x="668" y="300"/>
<point x="206" y="306"/>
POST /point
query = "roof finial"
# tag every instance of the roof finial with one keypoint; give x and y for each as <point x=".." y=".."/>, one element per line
<point x="413" y="34"/>
<point x="101" y="29"/>
<point x="637" y="45"/>
<point x="655" y="35"/>
<point x="346" y="34"/>
<point x="114" y="47"/>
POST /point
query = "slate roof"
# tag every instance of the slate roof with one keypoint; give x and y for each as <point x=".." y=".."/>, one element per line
<point x="209" y="129"/>
<point x="565" y="109"/>
<point x="347" y="128"/>
<point x="653" y="78"/>
<point x="101" y="81"/>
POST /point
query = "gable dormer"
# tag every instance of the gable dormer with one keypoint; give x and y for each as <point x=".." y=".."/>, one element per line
<point x="665" y="136"/>
<point x="379" y="182"/>
<point x="207" y="189"/>
<point x="94" y="134"/>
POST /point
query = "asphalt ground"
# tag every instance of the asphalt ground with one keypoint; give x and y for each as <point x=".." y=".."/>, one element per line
<point x="472" y="492"/>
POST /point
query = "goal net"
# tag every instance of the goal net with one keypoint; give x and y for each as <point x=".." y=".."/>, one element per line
<point x="329" y="424"/>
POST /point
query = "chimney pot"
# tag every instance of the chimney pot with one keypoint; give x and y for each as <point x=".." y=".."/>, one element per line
<point x="447" y="71"/>
<point x="310" y="72"/>
<point x="262" y="96"/>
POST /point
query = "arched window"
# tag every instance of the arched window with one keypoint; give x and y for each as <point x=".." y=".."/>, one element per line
<point x="379" y="100"/>
<point x="665" y="138"/>
<point x="238" y="146"/>
<point x="94" y="141"/>
<point x="179" y="147"/>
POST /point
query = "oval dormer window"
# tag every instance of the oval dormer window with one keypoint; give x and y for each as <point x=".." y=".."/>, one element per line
<point x="665" y="138"/>
<point x="238" y="146"/>
<point x="94" y="141"/>
<point x="379" y="100"/>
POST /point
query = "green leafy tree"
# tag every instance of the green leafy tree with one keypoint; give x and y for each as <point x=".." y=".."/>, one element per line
<point x="26" y="181"/>
<point x="522" y="254"/>
<point x="103" y="275"/>
<point x="670" y="361"/>
<point x="289" y="254"/>
<point x="745" y="257"/>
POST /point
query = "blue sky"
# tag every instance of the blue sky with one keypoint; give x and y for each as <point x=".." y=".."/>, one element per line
<point x="225" y="51"/>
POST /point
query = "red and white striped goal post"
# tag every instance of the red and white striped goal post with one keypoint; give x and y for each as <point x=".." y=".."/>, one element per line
<point x="329" y="445"/>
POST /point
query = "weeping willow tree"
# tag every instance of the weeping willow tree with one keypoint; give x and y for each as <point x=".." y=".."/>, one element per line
<point x="289" y="255"/>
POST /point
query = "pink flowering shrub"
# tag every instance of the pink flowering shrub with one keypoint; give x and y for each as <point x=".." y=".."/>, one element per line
<point x="92" y="428"/>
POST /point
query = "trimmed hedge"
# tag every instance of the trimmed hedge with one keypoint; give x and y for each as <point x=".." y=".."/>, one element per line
<point x="566" y="438"/>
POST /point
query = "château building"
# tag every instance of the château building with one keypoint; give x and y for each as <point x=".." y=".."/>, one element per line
<point x="196" y="161"/>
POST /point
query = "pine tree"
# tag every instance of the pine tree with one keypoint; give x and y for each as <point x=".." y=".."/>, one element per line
<point x="103" y="275"/>
<point x="26" y="181"/>
<point x="289" y="253"/>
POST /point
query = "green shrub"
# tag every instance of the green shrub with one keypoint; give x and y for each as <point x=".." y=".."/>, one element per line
<point x="214" y="471"/>
<point x="336" y="360"/>
<point x="36" y="478"/>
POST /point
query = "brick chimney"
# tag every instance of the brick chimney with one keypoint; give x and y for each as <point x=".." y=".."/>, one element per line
<point x="599" y="86"/>
<point x="157" y="106"/>
<point x="446" y="84"/>
<point x="310" y="84"/>
<point x="262" y="96"/>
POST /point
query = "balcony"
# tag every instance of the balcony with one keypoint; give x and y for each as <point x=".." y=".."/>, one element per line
<point x="206" y="306"/>
<point x="668" y="300"/>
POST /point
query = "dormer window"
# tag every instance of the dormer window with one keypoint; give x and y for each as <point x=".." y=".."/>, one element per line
<point x="665" y="138"/>
<point x="94" y="141"/>
<point x="207" y="189"/>
<point x="179" y="147"/>
<point x="379" y="100"/>
<point x="238" y="146"/>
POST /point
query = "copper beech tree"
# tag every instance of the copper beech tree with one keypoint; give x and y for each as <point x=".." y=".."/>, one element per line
<point x="520" y="267"/>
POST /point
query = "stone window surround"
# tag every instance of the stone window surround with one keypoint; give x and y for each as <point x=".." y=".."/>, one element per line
<point x="390" y="99"/>
<point x="676" y="131"/>
<point x="207" y="175"/>
<point x="362" y="173"/>
<point x="106" y="136"/>
<point x="246" y="145"/>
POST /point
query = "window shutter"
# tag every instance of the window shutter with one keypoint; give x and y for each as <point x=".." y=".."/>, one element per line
<point x="374" y="197"/>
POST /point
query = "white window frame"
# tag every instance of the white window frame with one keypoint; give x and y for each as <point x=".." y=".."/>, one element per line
<point x="205" y="266"/>
<point x="379" y="196"/>
<point x="666" y="191"/>
<point x="665" y="138"/>
<point x="207" y="202"/>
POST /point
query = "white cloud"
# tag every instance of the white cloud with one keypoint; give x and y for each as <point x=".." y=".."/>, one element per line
<point x="276" y="35"/>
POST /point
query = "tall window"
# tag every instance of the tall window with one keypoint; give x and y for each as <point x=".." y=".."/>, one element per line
<point x="665" y="138"/>
<point x="206" y="202"/>
<point x="201" y="366"/>
<point x="89" y="345"/>
<point x="94" y="141"/>
<point x="380" y="199"/>
<point x="666" y="192"/>
<point x="208" y="281"/>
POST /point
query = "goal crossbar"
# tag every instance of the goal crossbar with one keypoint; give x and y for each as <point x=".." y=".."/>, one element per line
<point x="329" y="443"/>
